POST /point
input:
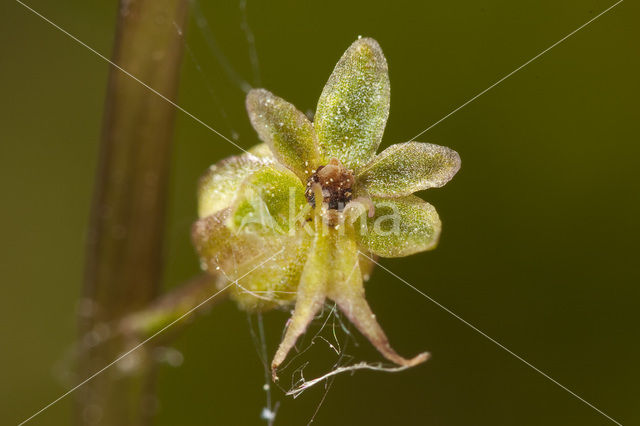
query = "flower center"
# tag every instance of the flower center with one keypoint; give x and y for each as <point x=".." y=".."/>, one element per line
<point x="336" y="182"/>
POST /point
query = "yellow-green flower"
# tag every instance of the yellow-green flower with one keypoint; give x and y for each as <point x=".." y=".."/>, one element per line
<point x="263" y="206"/>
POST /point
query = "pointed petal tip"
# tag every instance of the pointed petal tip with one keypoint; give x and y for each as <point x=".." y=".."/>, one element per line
<point x="387" y="351"/>
<point x="416" y="360"/>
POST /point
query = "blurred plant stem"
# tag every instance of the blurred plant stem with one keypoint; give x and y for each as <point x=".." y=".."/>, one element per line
<point x="182" y="303"/>
<point x="125" y="237"/>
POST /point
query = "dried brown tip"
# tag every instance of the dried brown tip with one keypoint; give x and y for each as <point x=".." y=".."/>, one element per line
<point x="366" y="202"/>
<point x="355" y="307"/>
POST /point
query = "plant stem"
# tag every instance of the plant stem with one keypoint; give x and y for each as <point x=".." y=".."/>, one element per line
<point x="181" y="304"/>
<point x="124" y="245"/>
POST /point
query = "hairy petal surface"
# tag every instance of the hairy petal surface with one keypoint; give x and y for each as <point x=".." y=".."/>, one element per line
<point x="270" y="199"/>
<point x="405" y="168"/>
<point x="235" y="253"/>
<point x="353" y="108"/>
<point x="262" y="150"/>
<point x="275" y="282"/>
<point x="286" y="130"/>
<point x="218" y="186"/>
<point x="400" y="227"/>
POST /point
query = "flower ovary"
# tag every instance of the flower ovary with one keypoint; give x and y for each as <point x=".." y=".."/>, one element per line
<point x="336" y="182"/>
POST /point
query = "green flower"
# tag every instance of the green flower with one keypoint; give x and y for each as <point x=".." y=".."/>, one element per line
<point x="264" y="206"/>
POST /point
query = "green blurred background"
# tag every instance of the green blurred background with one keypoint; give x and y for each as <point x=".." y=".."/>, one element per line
<point x="540" y="240"/>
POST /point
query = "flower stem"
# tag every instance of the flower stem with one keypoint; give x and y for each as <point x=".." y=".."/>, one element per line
<point x="181" y="304"/>
<point x="124" y="243"/>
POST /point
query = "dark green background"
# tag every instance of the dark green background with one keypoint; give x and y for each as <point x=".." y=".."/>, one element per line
<point x="540" y="240"/>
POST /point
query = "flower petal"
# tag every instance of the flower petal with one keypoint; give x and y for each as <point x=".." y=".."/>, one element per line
<point x="235" y="255"/>
<point x="310" y="297"/>
<point x="286" y="130"/>
<point x="353" y="108"/>
<point x="347" y="290"/>
<point x="271" y="198"/>
<point x="262" y="150"/>
<point x="399" y="227"/>
<point x="218" y="186"/>
<point x="219" y="247"/>
<point x="275" y="282"/>
<point x="405" y="168"/>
